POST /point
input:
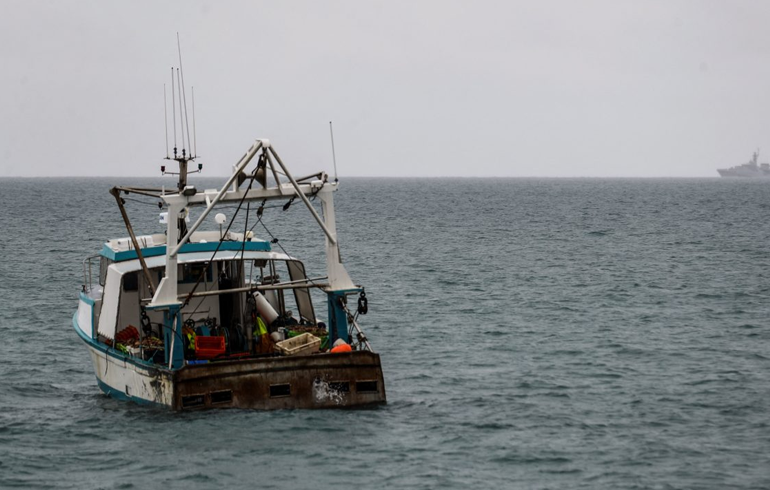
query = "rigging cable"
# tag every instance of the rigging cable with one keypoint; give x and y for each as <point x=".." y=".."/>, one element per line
<point x="363" y="303"/>
<point x="221" y="240"/>
<point x="243" y="246"/>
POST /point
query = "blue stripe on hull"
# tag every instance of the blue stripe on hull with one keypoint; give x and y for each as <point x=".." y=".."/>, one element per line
<point x="119" y="395"/>
<point x="107" y="389"/>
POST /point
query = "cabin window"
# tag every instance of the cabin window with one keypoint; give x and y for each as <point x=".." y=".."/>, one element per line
<point x="131" y="281"/>
<point x="192" y="272"/>
<point x="277" y="391"/>
<point x="104" y="263"/>
<point x="294" y="305"/>
<point x="302" y="298"/>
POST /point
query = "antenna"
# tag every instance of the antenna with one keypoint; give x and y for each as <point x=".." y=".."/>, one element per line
<point x="334" y="156"/>
<point x="195" y="138"/>
<point x="181" y="121"/>
<point x="189" y="145"/>
<point x="173" y="106"/>
<point x="184" y="95"/>
<point x="165" y="117"/>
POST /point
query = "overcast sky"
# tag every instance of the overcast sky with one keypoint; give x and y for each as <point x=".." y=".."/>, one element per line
<point x="415" y="88"/>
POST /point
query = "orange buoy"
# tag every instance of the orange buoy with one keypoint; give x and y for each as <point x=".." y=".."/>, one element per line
<point x="341" y="348"/>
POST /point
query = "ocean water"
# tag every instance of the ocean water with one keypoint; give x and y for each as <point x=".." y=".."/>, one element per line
<point x="544" y="334"/>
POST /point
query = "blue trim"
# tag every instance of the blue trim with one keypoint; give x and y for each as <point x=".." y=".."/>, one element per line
<point x="107" y="389"/>
<point x="177" y="355"/>
<point x="252" y="246"/>
<point x="84" y="297"/>
<point x="338" y="322"/>
<point x="164" y="306"/>
<point x="119" y="395"/>
<point x="131" y="254"/>
<point x="338" y="319"/>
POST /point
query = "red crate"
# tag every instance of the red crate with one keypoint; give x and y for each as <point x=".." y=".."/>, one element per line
<point x="128" y="333"/>
<point x="209" y="347"/>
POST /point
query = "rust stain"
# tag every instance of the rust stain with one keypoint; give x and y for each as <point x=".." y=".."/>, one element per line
<point x="316" y="381"/>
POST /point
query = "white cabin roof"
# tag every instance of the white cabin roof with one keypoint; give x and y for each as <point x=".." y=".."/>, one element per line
<point x="206" y="242"/>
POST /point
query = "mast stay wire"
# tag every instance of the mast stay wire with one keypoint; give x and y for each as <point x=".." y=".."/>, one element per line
<point x="273" y="240"/>
<point x="252" y="177"/>
<point x="243" y="242"/>
<point x="360" y="336"/>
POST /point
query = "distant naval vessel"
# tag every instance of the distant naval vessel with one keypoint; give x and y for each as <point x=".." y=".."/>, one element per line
<point x="751" y="169"/>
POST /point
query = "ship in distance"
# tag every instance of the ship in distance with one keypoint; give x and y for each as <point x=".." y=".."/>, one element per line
<point x="752" y="169"/>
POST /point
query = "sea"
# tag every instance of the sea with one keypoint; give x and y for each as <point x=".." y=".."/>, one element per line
<point x="534" y="334"/>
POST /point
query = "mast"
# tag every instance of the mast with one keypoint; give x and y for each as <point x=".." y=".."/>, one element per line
<point x="176" y="229"/>
<point x="166" y="294"/>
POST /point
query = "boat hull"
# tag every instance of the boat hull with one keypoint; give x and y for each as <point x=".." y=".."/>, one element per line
<point x="345" y="380"/>
<point x="352" y="379"/>
<point x="122" y="378"/>
<point x="743" y="174"/>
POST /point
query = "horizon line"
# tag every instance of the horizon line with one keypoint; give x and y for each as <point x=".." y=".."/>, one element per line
<point x="196" y="177"/>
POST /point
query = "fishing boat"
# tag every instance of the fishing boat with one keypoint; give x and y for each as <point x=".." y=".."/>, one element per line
<point x="191" y="319"/>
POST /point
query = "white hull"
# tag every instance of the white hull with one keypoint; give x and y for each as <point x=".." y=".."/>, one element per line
<point x="744" y="174"/>
<point x="121" y="379"/>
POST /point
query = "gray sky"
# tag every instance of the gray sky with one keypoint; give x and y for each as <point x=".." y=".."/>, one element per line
<point x="417" y="88"/>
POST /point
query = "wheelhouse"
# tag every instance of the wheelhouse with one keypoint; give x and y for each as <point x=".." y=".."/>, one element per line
<point x="223" y="276"/>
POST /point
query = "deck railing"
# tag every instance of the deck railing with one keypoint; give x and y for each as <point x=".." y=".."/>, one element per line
<point x="87" y="273"/>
